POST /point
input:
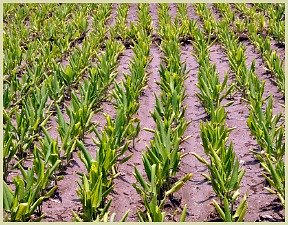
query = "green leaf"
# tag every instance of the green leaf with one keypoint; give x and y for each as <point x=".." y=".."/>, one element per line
<point x="241" y="210"/>
<point x="21" y="212"/>
<point x="184" y="213"/>
<point x="125" y="159"/>
<point x="219" y="210"/>
<point x="36" y="204"/>
<point x="228" y="217"/>
<point x="7" y="197"/>
<point x="86" y="154"/>
<point x="124" y="217"/>
<point x="201" y="159"/>
<point x="140" y="179"/>
<point x="234" y="177"/>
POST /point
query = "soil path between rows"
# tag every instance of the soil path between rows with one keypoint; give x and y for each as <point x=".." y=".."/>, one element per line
<point x="173" y="11"/>
<point x="196" y="193"/>
<point x="132" y="14"/>
<point x="154" y="16"/>
<point x="125" y="196"/>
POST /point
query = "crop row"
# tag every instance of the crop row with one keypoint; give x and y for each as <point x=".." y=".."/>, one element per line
<point x="262" y="44"/>
<point x="266" y="127"/>
<point x="224" y="171"/>
<point x="35" y="92"/>
<point x="116" y="136"/>
<point x="20" y="140"/>
<point x="162" y="158"/>
<point x="270" y="20"/>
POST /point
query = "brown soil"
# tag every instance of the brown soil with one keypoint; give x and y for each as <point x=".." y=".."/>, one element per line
<point x="196" y="193"/>
<point x="173" y="10"/>
<point x="270" y="87"/>
<point x="154" y="17"/>
<point x="132" y="14"/>
<point x="123" y="185"/>
<point x="60" y="208"/>
<point x="111" y="21"/>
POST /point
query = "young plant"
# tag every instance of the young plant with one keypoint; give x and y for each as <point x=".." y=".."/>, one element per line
<point x="30" y="190"/>
<point x="150" y="191"/>
<point x="212" y="92"/>
<point x="224" y="172"/>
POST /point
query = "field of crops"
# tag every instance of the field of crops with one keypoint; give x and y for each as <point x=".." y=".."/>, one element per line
<point x="144" y="112"/>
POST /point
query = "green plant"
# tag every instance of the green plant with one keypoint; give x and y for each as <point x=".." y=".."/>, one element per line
<point x="150" y="192"/>
<point x="30" y="190"/>
<point x="224" y="172"/>
<point x="212" y="92"/>
<point x="267" y="129"/>
<point x="161" y="160"/>
<point x="269" y="133"/>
